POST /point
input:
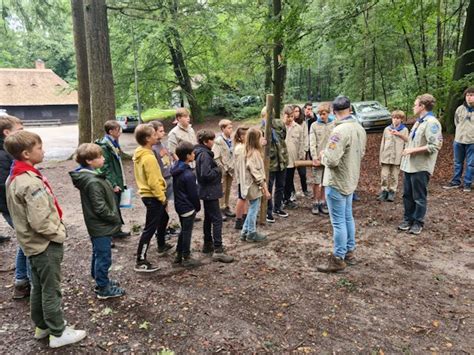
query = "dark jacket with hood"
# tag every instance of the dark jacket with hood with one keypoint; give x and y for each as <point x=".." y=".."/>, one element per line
<point x="113" y="164"/>
<point x="208" y="174"/>
<point x="98" y="202"/>
<point x="185" y="188"/>
<point x="5" y="164"/>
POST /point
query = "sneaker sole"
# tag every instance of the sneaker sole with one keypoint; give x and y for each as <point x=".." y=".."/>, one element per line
<point x="403" y="229"/>
<point x="270" y="220"/>
<point x="415" y="233"/>
<point x="112" y="296"/>
<point x="282" y="216"/>
<point x="72" y="342"/>
<point x="451" y="187"/>
<point x="145" y="270"/>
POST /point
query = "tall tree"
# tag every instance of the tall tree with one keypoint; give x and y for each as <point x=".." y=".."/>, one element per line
<point x="85" y="124"/>
<point x="464" y="67"/>
<point x="279" y="65"/>
<point x="101" y="81"/>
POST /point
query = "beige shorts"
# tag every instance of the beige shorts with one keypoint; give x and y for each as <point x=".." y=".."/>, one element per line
<point x="318" y="175"/>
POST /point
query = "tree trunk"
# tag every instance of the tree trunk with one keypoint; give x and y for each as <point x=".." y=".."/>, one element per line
<point x="279" y="67"/>
<point x="83" y="92"/>
<point x="175" y="46"/>
<point x="464" y="65"/>
<point x="439" y="45"/>
<point x="101" y="81"/>
<point x="268" y="72"/>
<point x="424" y="54"/>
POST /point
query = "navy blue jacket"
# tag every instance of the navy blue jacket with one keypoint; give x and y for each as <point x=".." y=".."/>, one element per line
<point x="208" y="174"/>
<point x="185" y="188"/>
<point x="5" y="164"/>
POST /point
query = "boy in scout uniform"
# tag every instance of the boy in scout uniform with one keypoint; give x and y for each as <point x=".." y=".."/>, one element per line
<point x="418" y="162"/>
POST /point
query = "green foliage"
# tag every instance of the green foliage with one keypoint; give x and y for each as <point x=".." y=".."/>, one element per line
<point x="247" y="112"/>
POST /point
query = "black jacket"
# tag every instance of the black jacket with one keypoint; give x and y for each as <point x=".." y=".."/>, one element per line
<point x="185" y="188"/>
<point x="98" y="203"/>
<point x="208" y="174"/>
<point x="5" y="164"/>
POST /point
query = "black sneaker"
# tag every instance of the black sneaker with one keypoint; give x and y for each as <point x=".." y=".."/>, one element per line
<point x="281" y="213"/>
<point x="416" y="228"/>
<point x="270" y="219"/>
<point x="162" y="251"/>
<point x="404" y="226"/>
<point x="383" y="196"/>
<point x="323" y="208"/>
<point x="190" y="262"/>
<point x="239" y="223"/>
<point x="467" y="189"/>
<point x="291" y="205"/>
<point x="452" y="185"/>
<point x="121" y="234"/>
<point x="145" y="266"/>
<point x="391" y="196"/>
<point x="315" y="209"/>
<point x="110" y="291"/>
<point x="208" y="249"/>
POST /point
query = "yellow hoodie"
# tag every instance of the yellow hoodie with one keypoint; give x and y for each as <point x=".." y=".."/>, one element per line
<point x="148" y="175"/>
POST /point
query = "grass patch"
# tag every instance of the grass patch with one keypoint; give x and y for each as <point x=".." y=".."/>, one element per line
<point x="158" y="114"/>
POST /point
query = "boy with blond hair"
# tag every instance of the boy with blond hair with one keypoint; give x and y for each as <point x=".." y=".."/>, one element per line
<point x="182" y="132"/>
<point x="320" y="131"/>
<point x="152" y="189"/>
<point x="223" y="155"/>
<point x="100" y="215"/>
<point x="393" y="142"/>
<point x="37" y="218"/>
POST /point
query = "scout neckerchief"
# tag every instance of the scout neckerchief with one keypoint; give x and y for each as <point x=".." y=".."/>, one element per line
<point x="399" y="128"/>
<point x="19" y="167"/>
<point x="420" y="121"/>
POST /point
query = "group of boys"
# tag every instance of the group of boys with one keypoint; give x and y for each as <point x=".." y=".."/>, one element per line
<point x="201" y="166"/>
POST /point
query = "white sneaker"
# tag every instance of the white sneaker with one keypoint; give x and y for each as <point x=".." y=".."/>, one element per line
<point x="69" y="336"/>
<point x="43" y="333"/>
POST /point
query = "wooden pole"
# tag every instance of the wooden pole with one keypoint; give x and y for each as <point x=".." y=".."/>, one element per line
<point x="266" y="157"/>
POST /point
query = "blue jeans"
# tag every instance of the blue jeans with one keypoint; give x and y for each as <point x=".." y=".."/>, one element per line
<point x="463" y="152"/>
<point x="343" y="226"/>
<point x="250" y="223"/>
<point x="101" y="260"/>
<point x="22" y="265"/>
<point x="415" y="192"/>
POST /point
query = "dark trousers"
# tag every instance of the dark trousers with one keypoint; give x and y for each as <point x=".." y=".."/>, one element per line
<point x="302" y="173"/>
<point x="184" y="239"/>
<point x="118" y="195"/>
<point x="277" y="178"/>
<point x="156" y="221"/>
<point x="212" y="224"/>
<point x="45" y="297"/>
<point x="415" y="191"/>
<point x="289" y="183"/>
<point x="101" y="260"/>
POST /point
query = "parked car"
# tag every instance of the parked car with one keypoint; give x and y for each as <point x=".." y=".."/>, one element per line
<point x="250" y="100"/>
<point x="371" y="114"/>
<point x="128" y="123"/>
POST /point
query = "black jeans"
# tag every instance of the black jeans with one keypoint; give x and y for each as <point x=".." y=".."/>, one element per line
<point x="117" y="201"/>
<point x="184" y="239"/>
<point x="212" y="224"/>
<point x="302" y="173"/>
<point x="156" y="221"/>
<point x="289" y="183"/>
<point x="277" y="178"/>
<point x="415" y="191"/>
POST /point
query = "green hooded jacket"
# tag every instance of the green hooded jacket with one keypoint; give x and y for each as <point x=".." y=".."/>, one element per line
<point x="278" y="151"/>
<point x="113" y="167"/>
<point x="98" y="202"/>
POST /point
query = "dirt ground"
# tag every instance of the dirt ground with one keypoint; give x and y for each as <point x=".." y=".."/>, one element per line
<point x="407" y="294"/>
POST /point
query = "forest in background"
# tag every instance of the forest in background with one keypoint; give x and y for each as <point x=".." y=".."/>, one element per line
<point x="385" y="50"/>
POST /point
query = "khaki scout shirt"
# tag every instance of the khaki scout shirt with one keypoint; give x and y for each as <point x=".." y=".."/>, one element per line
<point x="425" y="133"/>
<point x="180" y="134"/>
<point x="223" y="155"/>
<point x="343" y="155"/>
<point x="392" y="146"/>
<point x="295" y="143"/>
<point x="254" y="181"/>
<point x="464" y="121"/>
<point x="318" y="137"/>
<point x="34" y="214"/>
